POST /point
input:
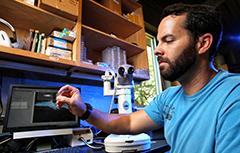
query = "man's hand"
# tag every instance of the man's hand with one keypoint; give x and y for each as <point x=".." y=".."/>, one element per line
<point x="133" y="123"/>
<point x="71" y="96"/>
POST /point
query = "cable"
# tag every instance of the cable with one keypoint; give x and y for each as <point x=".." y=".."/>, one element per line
<point x="58" y="142"/>
<point x="90" y="146"/>
<point x="100" y="143"/>
<point x="30" y="144"/>
<point x="98" y="132"/>
<point x="113" y="96"/>
<point x="114" y="91"/>
<point x="112" y="100"/>
<point x="6" y="140"/>
<point x="55" y="141"/>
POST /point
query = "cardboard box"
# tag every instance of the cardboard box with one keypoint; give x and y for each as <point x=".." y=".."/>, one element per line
<point x="64" y="8"/>
<point x="59" y="53"/>
<point x="114" y="5"/>
<point x="58" y="34"/>
<point x="59" y="43"/>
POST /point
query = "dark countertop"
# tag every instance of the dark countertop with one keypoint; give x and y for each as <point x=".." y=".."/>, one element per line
<point x="157" y="139"/>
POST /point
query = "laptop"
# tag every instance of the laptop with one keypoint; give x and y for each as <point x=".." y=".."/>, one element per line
<point x="31" y="112"/>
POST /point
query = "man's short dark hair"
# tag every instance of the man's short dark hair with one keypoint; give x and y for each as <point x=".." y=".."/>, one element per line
<point x="200" y="19"/>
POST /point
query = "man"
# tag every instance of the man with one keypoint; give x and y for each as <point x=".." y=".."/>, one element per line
<point x="202" y="114"/>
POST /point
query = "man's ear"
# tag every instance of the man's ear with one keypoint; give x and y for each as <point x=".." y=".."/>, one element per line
<point x="204" y="43"/>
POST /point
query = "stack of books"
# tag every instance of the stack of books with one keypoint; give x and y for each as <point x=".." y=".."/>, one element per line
<point x="60" y="44"/>
<point x="36" y="41"/>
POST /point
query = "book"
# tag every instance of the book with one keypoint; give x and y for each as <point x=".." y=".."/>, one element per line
<point x="59" y="43"/>
<point x="70" y="36"/>
<point x="39" y="44"/>
<point x="43" y="46"/>
<point x="29" y="40"/>
<point x="57" y="52"/>
<point x="35" y="41"/>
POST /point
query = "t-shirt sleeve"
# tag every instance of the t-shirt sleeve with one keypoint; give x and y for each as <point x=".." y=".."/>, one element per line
<point x="155" y="110"/>
<point x="228" y="127"/>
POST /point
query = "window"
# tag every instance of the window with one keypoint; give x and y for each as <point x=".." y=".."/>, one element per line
<point x="147" y="90"/>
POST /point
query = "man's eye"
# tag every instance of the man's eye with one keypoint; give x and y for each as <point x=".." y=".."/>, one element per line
<point x="168" y="40"/>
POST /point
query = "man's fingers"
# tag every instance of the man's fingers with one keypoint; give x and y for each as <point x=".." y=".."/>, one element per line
<point x="66" y="90"/>
<point x="59" y="105"/>
<point x="63" y="89"/>
<point x="61" y="100"/>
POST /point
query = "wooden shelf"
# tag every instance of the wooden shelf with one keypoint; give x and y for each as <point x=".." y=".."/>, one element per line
<point x="26" y="16"/>
<point x="129" y="6"/>
<point x="97" y="25"/>
<point x="19" y="55"/>
<point x="13" y="54"/>
<point x="97" y="41"/>
<point x="94" y="69"/>
<point x="90" y="68"/>
<point x="104" y="19"/>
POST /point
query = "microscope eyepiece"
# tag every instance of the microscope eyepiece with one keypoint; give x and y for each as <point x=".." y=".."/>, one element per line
<point x="130" y="70"/>
<point x="121" y="71"/>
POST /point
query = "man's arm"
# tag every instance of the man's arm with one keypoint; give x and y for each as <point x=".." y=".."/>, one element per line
<point x="133" y="123"/>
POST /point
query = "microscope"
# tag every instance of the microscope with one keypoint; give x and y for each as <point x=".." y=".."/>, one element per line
<point x="123" y="89"/>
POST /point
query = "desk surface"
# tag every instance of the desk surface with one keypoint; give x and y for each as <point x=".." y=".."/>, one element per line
<point x="159" y="146"/>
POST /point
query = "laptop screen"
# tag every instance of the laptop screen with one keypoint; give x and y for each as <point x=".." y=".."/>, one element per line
<point x="34" y="108"/>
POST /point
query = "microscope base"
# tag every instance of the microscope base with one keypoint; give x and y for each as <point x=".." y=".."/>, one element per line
<point x="124" y="143"/>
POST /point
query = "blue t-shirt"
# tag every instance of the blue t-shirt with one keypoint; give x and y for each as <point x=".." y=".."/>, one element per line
<point x="206" y="122"/>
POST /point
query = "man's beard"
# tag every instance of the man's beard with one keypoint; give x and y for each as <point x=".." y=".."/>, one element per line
<point x="181" y="65"/>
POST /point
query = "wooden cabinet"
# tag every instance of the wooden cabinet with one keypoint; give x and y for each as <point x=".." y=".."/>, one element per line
<point x="95" y="23"/>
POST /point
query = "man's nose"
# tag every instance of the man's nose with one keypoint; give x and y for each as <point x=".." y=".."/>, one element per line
<point x="158" y="51"/>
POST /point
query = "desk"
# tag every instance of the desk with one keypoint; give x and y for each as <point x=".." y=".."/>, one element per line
<point x="158" y="144"/>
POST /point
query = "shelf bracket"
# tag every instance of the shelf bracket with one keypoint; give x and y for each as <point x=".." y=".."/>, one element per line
<point x="70" y="71"/>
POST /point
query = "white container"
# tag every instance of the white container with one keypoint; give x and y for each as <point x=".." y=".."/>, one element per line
<point x="127" y="143"/>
